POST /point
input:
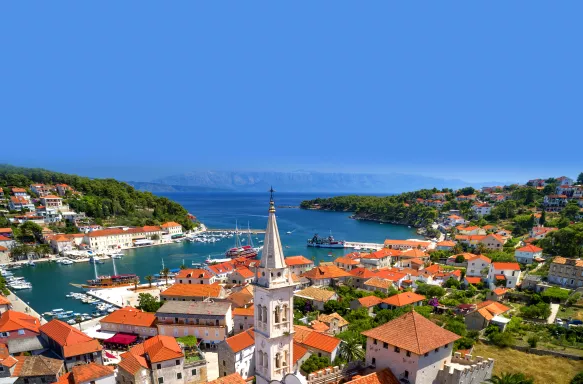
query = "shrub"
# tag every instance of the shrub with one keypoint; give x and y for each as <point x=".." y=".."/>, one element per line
<point x="533" y="341"/>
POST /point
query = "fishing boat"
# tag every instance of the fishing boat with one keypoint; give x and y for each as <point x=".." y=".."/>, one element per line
<point x="325" y="242"/>
<point x="114" y="281"/>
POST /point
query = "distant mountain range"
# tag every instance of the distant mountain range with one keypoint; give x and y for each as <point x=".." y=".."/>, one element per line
<point x="299" y="181"/>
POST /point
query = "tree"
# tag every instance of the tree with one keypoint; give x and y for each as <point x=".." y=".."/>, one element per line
<point x="149" y="279"/>
<point x="510" y="378"/>
<point x="451" y="282"/>
<point x="578" y="379"/>
<point x="533" y="341"/>
<point x="460" y="259"/>
<point x="183" y="267"/>
<point x="351" y="349"/>
<point x="315" y="363"/>
<point x="571" y="211"/>
<point x="78" y="320"/>
<point x="148" y="303"/>
<point x="543" y="218"/>
<point x="332" y="306"/>
<point x="165" y="274"/>
<point x="42" y="250"/>
<point x="580" y="178"/>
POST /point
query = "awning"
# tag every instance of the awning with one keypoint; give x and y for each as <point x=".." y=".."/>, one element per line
<point x="110" y="356"/>
<point x="122" y="339"/>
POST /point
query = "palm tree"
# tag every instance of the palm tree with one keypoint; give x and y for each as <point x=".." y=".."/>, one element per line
<point x="510" y="378"/>
<point x="79" y="320"/>
<point x="149" y="279"/>
<point x="183" y="267"/>
<point x="165" y="272"/>
<point x="351" y="349"/>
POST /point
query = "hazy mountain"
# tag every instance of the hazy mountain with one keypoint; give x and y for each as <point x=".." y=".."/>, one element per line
<point x="156" y="187"/>
<point x="305" y="181"/>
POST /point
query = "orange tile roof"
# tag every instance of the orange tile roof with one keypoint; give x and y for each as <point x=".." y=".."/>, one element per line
<point x="346" y="261"/>
<point x="411" y="243"/>
<point x="327" y="319"/>
<point x="530" y="248"/>
<point x="159" y="348"/>
<point x="506" y="266"/>
<point x="298" y="352"/>
<point x="319" y="326"/>
<point x="193" y="290"/>
<point x="90" y="372"/>
<point x="467" y="256"/>
<point x="241" y="340"/>
<point x="326" y="272"/>
<point x="3" y="299"/>
<point x="2" y="238"/>
<point x="249" y="311"/>
<point x="30" y="366"/>
<point x="446" y="243"/>
<point x="52" y="197"/>
<point x="245" y="272"/>
<point x="365" y="273"/>
<point x="369" y="301"/>
<point x="412" y="332"/>
<point x="500" y="277"/>
<point x="73" y="341"/>
<point x="300" y="333"/>
<point x="170" y="224"/>
<point x="481" y="257"/>
<point x="233" y="378"/>
<point x="402" y="299"/>
<point x="321" y="342"/>
<point x="18" y="190"/>
<point x="131" y="316"/>
<point x="488" y="309"/>
<point x="473" y="280"/>
<point x="384" y="376"/>
<point x="315" y="293"/>
<point x="382" y="253"/>
<point x="378" y="282"/>
<point x="13" y="320"/>
<point x="221" y="268"/>
<point x="5" y="230"/>
<point x="298" y="260"/>
<point x="563" y="260"/>
<point x="242" y="298"/>
<point x="194" y="273"/>
<point x="500" y="291"/>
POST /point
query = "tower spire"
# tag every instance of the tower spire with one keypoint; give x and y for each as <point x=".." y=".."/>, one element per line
<point x="272" y="252"/>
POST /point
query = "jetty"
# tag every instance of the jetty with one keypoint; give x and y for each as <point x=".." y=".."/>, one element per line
<point x="355" y="244"/>
<point x="241" y="231"/>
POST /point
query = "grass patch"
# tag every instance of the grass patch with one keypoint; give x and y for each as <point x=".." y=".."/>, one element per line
<point x="544" y="369"/>
<point x="572" y="312"/>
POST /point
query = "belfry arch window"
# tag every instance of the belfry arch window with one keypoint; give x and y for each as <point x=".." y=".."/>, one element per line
<point x="285" y="313"/>
<point x="277" y="360"/>
<point x="265" y="315"/>
<point x="277" y="313"/>
<point x="259" y="313"/>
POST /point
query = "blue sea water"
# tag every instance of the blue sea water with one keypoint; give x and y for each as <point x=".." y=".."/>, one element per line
<point x="51" y="282"/>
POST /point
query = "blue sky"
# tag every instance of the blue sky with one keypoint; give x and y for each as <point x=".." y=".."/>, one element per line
<point x="137" y="90"/>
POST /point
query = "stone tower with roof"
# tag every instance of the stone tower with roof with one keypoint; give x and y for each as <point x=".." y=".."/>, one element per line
<point x="273" y="301"/>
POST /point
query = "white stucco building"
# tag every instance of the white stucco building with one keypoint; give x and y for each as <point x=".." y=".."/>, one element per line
<point x="527" y="254"/>
<point x="509" y="273"/>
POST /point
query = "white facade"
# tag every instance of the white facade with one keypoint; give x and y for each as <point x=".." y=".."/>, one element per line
<point x="526" y="257"/>
<point x="273" y="309"/>
<point x="512" y="276"/>
<point x="245" y="362"/>
<point x="418" y="369"/>
<point x="482" y="209"/>
<point x="475" y="266"/>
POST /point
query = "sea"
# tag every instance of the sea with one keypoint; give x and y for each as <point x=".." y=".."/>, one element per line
<point x="51" y="282"/>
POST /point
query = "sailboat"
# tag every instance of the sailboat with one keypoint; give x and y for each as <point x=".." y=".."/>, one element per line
<point x="246" y="251"/>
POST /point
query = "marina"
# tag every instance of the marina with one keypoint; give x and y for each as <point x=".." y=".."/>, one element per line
<point x="53" y="279"/>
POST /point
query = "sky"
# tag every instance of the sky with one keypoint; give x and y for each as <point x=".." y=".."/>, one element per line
<point x="139" y="90"/>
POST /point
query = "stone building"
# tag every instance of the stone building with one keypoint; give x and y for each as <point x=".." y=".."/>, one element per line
<point x="243" y="319"/>
<point x="237" y="354"/>
<point x="566" y="272"/>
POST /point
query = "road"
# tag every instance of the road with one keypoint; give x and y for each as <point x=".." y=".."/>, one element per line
<point x="554" y="311"/>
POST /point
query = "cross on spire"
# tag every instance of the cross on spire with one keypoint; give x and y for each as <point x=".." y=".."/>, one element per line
<point x="271" y="205"/>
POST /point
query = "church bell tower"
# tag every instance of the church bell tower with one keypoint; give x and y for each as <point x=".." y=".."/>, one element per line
<point x="274" y="289"/>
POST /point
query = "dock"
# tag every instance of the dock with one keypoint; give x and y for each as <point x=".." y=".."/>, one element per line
<point x="241" y="231"/>
<point x="354" y="244"/>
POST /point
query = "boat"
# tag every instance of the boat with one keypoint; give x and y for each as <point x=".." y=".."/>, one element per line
<point x="94" y="260"/>
<point x="246" y="251"/>
<point x="325" y="242"/>
<point x="117" y="255"/>
<point x="65" y="261"/>
<point x="19" y="286"/>
<point x="71" y="322"/>
<point x="57" y="310"/>
<point x="214" y="261"/>
<point x="114" y="281"/>
<point x="31" y="263"/>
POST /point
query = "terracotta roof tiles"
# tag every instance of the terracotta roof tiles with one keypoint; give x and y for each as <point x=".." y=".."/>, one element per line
<point x="298" y="260"/>
<point x="13" y="320"/>
<point x="73" y="341"/>
<point x="130" y="316"/>
<point x="193" y="290"/>
<point x="241" y="340"/>
<point x="402" y="299"/>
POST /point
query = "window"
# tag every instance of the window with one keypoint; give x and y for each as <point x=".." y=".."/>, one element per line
<point x="426" y="354"/>
<point x="397" y="349"/>
<point x="91" y="382"/>
<point x="241" y="326"/>
<point x="406" y="374"/>
<point x="177" y="362"/>
<point x="374" y="341"/>
<point x="224" y="364"/>
<point x="160" y="380"/>
<point x="21" y="331"/>
<point x="374" y="361"/>
<point x="179" y="375"/>
<point x="158" y="366"/>
<point x="408" y="353"/>
<point x="319" y="354"/>
<point x="436" y="350"/>
<point x="193" y="372"/>
<point x="25" y="381"/>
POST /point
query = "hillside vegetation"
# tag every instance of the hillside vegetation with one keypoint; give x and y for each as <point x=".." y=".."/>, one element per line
<point x="102" y="199"/>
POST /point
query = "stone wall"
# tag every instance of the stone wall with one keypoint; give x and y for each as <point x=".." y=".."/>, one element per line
<point x="473" y="371"/>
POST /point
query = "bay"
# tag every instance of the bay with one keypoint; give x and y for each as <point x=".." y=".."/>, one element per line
<point x="51" y="281"/>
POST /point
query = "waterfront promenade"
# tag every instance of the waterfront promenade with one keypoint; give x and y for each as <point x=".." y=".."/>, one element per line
<point x="20" y="306"/>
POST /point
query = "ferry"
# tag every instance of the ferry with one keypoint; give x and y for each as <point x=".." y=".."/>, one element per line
<point x="115" y="281"/>
<point x="325" y="242"/>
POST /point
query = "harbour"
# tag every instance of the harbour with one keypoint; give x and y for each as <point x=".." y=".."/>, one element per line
<point x="51" y="282"/>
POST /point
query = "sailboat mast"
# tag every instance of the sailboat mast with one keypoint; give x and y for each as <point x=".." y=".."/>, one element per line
<point x="95" y="268"/>
<point x="249" y="235"/>
<point x="237" y="242"/>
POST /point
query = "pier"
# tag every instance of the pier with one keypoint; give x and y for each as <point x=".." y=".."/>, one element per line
<point x="354" y="244"/>
<point x="241" y="231"/>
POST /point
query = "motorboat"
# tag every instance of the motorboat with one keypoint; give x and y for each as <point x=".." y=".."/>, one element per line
<point x="117" y="255"/>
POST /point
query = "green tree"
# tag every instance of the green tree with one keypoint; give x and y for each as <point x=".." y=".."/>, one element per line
<point x="315" y="363"/>
<point x="351" y="349"/>
<point x="149" y="279"/>
<point x="533" y="341"/>
<point x="578" y="379"/>
<point x="571" y="211"/>
<point x="543" y="218"/>
<point x="510" y="378"/>
<point x="148" y="303"/>
<point x="78" y="320"/>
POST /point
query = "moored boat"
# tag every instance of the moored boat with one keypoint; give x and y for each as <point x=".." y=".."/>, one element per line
<point x="325" y="242"/>
<point x="115" y="281"/>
